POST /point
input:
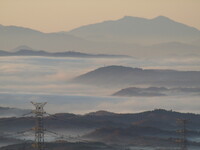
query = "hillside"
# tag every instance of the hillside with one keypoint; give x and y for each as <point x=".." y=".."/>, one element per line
<point x="155" y="91"/>
<point x="161" y="119"/>
<point x="126" y="76"/>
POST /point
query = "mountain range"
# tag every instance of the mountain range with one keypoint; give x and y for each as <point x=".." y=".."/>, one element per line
<point x="157" y="127"/>
<point x="122" y="76"/>
<point x="133" y="36"/>
<point x="28" y="52"/>
<point x="158" y="118"/>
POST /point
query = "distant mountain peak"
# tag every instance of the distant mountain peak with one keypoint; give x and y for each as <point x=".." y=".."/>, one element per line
<point x="119" y="67"/>
<point x="164" y="20"/>
<point x="132" y="18"/>
<point x="129" y="29"/>
<point x="162" y="17"/>
<point x="24" y="47"/>
<point x="101" y="113"/>
<point x="145" y="20"/>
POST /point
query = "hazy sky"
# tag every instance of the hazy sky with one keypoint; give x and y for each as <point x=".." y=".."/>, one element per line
<point x="63" y="15"/>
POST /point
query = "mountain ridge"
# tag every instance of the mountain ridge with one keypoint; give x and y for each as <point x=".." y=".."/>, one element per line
<point x="155" y="91"/>
<point x="30" y="52"/>
<point x="136" y="28"/>
<point x="121" y="76"/>
<point x="126" y="36"/>
<point x="158" y="118"/>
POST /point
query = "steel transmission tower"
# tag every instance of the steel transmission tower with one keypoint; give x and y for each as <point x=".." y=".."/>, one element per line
<point x="39" y="126"/>
<point x="183" y="131"/>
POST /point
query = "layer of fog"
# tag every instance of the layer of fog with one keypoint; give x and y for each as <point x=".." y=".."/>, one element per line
<point x="85" y="104"/>
<point x="25" y="79"/>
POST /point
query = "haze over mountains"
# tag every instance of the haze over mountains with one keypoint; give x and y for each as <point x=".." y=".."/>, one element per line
<point x="134" y="36"/>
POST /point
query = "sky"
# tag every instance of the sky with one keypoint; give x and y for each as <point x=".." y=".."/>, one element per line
<point x="64" y="15"/>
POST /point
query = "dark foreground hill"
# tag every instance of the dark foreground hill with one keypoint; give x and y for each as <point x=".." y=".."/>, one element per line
<point x="150" y="128"/>
<point x="127" y="76"/>
<point x="158" y="118"/>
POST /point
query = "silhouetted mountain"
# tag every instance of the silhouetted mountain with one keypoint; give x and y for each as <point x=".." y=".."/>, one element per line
<point x="153" y="127"/>
<point x="13" y="36"/>
<point x="138" y="30"/>
<point x="133" y="91"/>
<point x="133" y="36"/>
<point x="22" y="47"/>
<point x="101" y="113"/>
<point x="155" y="91"/>
<point x="25" y="52"/>
<point x="161" y="119"/>
<point x="126" y="76"/>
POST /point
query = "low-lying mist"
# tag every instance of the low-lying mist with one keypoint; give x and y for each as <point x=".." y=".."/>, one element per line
<point x="25" y="79"/>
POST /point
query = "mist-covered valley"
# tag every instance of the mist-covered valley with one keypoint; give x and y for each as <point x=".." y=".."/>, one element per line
<point x="25" y="79"/>
<point x="51" y="79"/>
